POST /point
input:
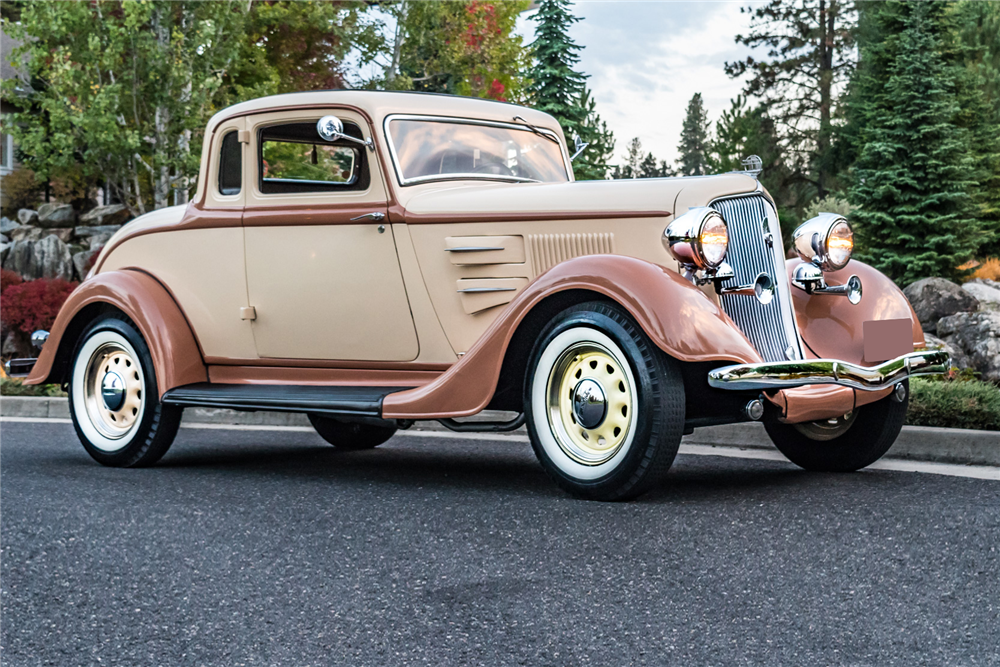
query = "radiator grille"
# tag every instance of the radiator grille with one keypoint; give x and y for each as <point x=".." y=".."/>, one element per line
<point x="767" y="326"/>
<point x="547" y="250"/>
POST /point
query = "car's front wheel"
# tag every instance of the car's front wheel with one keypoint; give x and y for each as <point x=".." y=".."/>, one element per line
<point x="113" y="397"/>
<point x="605" y="407"/>
<point x="844" y="444"/>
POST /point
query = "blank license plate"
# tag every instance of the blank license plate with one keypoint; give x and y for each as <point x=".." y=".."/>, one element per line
<point x="887" y="339"/>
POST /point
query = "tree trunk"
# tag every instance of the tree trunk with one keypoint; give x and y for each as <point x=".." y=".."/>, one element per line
<point x="827" y="18"/>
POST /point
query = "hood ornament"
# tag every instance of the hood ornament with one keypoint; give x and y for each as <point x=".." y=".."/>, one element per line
<point x="752" y="165"/>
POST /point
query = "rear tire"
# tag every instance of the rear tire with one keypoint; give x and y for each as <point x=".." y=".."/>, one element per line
<point x="351" y="436"/>
<point x="825" y="447"/>
<point x="113" y="397"/>
<point x="605" y="407"/>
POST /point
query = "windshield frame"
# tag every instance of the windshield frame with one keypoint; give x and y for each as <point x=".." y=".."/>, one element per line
<point x="468" y="176"/>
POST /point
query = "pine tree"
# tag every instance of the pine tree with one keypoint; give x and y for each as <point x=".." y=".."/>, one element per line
<point x="916" y="217"/>
<point x="694" y="139"/>
<point x="558" y="89"/>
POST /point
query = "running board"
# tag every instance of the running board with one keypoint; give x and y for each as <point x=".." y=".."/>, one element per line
<point x="334" y="401"/>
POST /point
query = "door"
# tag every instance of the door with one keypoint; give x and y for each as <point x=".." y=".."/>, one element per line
<point x="323" y="276"/>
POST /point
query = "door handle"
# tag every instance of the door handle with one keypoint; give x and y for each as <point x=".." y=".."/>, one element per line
<point x="369" y="216"/>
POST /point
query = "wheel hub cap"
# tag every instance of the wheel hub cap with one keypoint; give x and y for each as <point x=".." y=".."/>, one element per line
<point x="113" y="391"/>
<point x="590" y="406"/>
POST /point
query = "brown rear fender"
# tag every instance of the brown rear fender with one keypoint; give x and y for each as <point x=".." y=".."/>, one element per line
<point x="177" y="359"/>
<point x="678" y="317"/>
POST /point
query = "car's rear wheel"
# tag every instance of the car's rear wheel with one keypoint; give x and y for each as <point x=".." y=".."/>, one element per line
<point x="605" y="407"/>
<point x="844" y="444"/>
<point x="113" y="397"/>
<point x="350" y="436"/>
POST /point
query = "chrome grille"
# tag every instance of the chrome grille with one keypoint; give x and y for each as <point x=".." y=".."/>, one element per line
<point x="771" y="327"/>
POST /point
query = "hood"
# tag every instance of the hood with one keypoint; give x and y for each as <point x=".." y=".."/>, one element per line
<point x="578" y="199"/>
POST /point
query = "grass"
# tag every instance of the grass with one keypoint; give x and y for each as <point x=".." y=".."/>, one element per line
<point x="988" y="269"/>
<point x="12" y="387"/>
<point x="956" y="401"/>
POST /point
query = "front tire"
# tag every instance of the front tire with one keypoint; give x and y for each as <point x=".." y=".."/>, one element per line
<point x="605" y="407"/>
<point x="846" y="444"/>
<point x="350" y="436"/>
<point x="114" y="399"/>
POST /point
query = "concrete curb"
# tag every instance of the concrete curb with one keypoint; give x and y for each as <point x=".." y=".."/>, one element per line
<point x="920" y="443"/>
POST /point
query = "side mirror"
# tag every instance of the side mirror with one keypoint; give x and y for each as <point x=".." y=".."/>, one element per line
<point x="578" y="147"/>
<point x="331" y="128"/>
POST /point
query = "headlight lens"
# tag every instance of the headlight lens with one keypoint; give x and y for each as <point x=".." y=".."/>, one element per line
<point x="698" y="239"/>
<point x="714" y="240"/>
<point x="826" y="241"/>
<point x="840" y="244"/>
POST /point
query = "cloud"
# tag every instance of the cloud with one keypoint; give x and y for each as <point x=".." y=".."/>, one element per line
<point x="645" y="59"/>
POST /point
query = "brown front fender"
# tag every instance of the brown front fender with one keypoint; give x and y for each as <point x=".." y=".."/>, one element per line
<point x="177" y="359"/>
<point x="678" y="317"/>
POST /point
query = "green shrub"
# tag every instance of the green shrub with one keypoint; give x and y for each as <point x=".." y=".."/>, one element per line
<point x="957" y="403"/>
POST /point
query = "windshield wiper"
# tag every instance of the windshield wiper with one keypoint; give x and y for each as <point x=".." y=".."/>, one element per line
<point x="537" y="131"/>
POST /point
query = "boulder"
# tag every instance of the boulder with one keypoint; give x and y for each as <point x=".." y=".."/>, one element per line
<point x="4" y="251"/>
<point x="988" y="295"/>
<point x="64" y="234"/>
<point x="27" y="233"/>
<point x="56" y="215"/>
<point x="4" y="238"/>
<point x="956" y="357"/>
<point x="26" y="216"/>
<point x="975" y="337"/>
<point x="45" y="258"/>
<point x="115" y="214"/>
<point x="7" y="225"/>
<point x="934" y="298"/>
<point x="10" y="345"/>
<point x="82" y="262"/>
<point x="97" y="241"/>
<point x="83" y="234"/>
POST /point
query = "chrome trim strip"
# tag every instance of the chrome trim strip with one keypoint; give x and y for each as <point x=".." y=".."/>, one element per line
<point x="473" y="248"/>
<point x="466" y="121"/>
<point x="786" y="374"/>
<point x="479" y="290"/>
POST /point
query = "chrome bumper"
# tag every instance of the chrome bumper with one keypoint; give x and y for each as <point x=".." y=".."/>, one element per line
<point x="785" y="374"/>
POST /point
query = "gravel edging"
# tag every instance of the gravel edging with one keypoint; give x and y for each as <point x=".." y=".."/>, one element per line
<point x="920" y="443"/>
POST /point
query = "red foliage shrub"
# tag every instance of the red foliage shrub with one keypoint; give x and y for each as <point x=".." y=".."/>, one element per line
<point x="34" y="304"/>
<point x="9" y="279"/>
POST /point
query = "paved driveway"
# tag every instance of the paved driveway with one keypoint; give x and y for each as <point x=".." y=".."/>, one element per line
<point x="272" y="548"/>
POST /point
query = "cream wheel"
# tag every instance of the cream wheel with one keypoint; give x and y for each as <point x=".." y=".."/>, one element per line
<point x="113" y="397"/>
<point x="604" y="407"/>
<point x="590" y="403"/>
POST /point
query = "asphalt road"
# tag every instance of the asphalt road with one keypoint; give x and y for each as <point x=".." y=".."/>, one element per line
<point x="272" y="548"/>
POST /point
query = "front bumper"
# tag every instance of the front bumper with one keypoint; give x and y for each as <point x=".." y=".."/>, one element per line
<point x="786" y="374"/>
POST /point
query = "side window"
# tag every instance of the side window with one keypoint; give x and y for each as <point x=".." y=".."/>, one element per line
<point x="230" y="165"/>
<point x="294" y="158"/>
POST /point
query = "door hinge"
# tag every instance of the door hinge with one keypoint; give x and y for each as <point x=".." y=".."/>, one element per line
<point x="248" y="313"/>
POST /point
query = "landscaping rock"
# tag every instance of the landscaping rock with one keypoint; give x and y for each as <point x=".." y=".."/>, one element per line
<point x="56" y="215"/>
<point x="934" y="298"/>
<point x="114" y="214"/>
<point x="4" y="238"/>
<point x="4" y="251"/>
<point x="64" y="234"/>
<point x="988" y="295"/>
<point x="10" y="345"/>
<point x="82" y="262"/>
<point x="46" y="258"/>
<point x="27" y="233"/>
<point x="26" y="216"/>
<point x="975" y="338"/>
<point x="7" y="225"/>
<point x="97" y="241"/>
<point x="84" y="233"/>
<point x="933" y="341"/>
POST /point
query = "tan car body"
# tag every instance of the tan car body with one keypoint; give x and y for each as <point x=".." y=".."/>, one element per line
<point x="292" y="289"/>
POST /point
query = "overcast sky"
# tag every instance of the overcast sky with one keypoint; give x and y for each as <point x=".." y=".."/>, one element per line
<point x="646" y="58"/>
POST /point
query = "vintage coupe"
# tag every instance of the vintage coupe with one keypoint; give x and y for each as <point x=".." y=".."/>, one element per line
<point x="372" y="259"/>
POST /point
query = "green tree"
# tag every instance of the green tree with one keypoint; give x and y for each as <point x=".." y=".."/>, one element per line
<point x="911" y="184"/>
<point x="810" y="57"/>
<point x="461" y="47"/>
<point x="127" y="89"/>
<point x="592" y="164"/>
<point x="694" y="139"/>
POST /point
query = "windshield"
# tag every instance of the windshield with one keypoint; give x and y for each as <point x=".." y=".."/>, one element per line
<point x="427" y="149"/>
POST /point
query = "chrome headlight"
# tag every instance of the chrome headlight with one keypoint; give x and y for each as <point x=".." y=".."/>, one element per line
<point x="698" y="239"/>
<point x="826" y="241"/>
